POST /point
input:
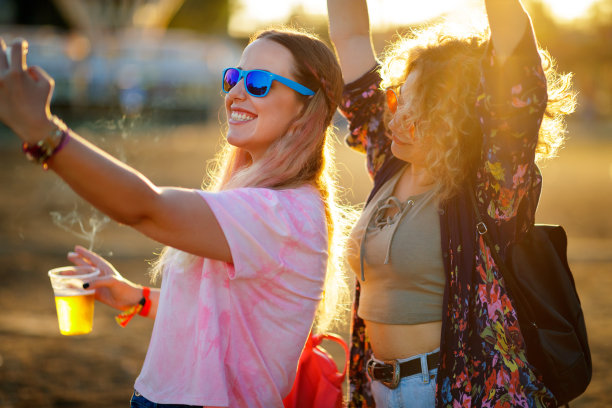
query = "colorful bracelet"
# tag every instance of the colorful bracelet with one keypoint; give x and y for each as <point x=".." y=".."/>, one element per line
<point x="41" y="151"/>
<point x="146" y="307"/>
<point x="142" y="308"/>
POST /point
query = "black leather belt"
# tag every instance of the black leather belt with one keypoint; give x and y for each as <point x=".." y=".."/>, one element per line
<point x="390" y="372"/>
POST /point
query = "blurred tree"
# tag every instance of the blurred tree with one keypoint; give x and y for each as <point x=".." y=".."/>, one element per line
<point x="583" y="47"/>
<point x="312" y="23"/>
<point x="544" y="24"/>
<point x="210" y="16"/>
<point x="7" y="11"/>
<point x="34" y="12"/>
<point x="602" y="12"/>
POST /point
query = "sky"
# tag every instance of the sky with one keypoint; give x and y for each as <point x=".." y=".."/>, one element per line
<point x="383" y="13"/>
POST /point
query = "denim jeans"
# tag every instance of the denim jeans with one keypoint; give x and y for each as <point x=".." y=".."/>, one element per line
<point x="414" y="391"/>
<point x="138" y="401"/>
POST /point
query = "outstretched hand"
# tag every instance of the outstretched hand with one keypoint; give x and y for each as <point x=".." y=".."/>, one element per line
<point x="25" y="92"/>
<point x="111" y="288"/>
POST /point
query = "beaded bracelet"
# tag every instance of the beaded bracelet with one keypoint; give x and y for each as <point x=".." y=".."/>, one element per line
<point x="142" y="308"/>
<point x="41" y="151"/>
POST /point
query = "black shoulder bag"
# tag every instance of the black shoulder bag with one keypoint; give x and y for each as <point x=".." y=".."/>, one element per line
<point x="542" y="289"/>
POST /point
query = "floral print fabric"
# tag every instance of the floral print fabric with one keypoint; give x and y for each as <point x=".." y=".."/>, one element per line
<point x="483" y="361"/>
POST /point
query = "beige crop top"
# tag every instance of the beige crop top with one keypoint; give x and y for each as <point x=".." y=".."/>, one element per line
<point x="401" y="259"/>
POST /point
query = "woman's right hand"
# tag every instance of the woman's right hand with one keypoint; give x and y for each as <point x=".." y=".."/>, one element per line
<point x="25" y="93"/>
<point x="111" y="288"/>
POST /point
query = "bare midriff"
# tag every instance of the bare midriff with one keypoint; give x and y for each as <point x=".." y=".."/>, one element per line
<point x="397" y="341"/>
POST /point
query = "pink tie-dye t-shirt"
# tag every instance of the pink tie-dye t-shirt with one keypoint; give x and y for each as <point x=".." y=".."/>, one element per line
<point x="231" y="334"/>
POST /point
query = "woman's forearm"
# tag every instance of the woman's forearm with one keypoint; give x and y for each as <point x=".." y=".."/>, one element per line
<point x="348" y="18"/>
<point x="508" y="21"/>
<point x="349" y="30"/>
<point x="172" y="216"/>
<point x="108" y="184"/>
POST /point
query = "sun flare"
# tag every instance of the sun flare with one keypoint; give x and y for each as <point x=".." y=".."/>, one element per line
<point x="569" y="9"/>
<point x="254" y="14"/>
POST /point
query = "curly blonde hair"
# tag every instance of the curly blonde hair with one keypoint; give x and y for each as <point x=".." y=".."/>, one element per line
<point x="304" y="154"/>
<point x="448" y="65"/>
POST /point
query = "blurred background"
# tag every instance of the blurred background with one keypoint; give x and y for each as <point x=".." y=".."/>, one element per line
<point x="140" y="78"/>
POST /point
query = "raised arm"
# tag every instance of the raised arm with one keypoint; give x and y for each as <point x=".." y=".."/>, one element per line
<point x="349" y="30"/>
<point x="508" y="21"/>
<point x="171" y="216"/>
<point x="510" y="106"/>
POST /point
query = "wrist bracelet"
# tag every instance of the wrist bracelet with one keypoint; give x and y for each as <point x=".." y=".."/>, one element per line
<point x="145" y="301"/>
<point x="142" y="308"/>
<point x="41" y="151"/>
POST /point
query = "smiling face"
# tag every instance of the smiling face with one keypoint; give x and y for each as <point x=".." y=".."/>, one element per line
<point x="405" y="145"/>
<point x="255" y="123"/>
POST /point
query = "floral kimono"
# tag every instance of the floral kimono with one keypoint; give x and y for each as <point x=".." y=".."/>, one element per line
<point x="483" y="361"/>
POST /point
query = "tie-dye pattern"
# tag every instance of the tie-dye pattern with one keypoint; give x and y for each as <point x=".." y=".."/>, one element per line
<point x="483" y="359"/>
<point x="231" y="334"/>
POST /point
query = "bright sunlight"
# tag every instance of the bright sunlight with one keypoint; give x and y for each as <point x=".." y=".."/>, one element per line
<point x="568" y="10"/>
<point x="254" y="14"/>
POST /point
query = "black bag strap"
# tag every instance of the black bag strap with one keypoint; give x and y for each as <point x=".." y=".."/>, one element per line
<point x="512" y="284"/>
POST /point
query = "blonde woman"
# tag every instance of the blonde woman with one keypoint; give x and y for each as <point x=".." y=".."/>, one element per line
<point x="433" y="323"/>
<point x="247" y="259"/>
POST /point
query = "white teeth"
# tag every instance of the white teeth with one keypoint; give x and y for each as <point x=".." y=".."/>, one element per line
<point x="241" y="117"/>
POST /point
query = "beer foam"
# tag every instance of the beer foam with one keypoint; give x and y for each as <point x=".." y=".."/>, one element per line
<point x="64" y="292"/>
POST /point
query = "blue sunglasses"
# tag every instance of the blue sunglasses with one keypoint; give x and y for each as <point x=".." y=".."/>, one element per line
<point x="258" y="82"/>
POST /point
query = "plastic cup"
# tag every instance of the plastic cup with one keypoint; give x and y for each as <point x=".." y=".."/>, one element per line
<point x="75" y="305"/>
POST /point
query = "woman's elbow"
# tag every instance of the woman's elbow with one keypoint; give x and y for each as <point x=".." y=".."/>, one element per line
<point x="138" y="211"/>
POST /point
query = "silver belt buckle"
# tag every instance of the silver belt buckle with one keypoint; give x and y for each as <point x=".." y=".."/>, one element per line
<point x="396" y="375"/>
<point x="369" y="366"/>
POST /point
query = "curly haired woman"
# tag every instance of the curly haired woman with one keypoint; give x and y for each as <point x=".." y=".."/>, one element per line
<point x="433" y="324"/>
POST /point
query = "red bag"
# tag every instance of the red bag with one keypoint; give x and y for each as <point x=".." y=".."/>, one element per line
<point x="318" y="384"/>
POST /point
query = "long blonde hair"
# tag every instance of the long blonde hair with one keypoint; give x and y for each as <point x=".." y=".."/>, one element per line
<point x="448" y="65"/>
<point x="304" y="155"/>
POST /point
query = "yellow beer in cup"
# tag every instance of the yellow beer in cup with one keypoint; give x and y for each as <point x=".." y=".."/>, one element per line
<point x="75" y="305"/>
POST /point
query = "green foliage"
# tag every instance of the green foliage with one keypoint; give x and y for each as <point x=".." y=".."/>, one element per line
<point x="210" y="16"/>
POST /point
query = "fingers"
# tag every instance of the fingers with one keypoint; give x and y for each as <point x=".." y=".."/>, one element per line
<point x="43" y="81"/>
<point x="102" y="282"/>
<point x="78" y="260"/>
<point x="90" y="256"/>
<point x="82" y="250"/>
<point x="82" y="256"/>
<point x="40" y="75"/>
<point x="3" y="57"/>
<point x="19" y="49"/>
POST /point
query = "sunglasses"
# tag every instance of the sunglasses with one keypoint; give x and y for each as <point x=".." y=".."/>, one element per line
<point x="391" y="99"/>
<point x="258" y="82"/>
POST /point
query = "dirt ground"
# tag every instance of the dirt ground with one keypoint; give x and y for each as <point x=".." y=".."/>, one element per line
<point x="41" y="368"/>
